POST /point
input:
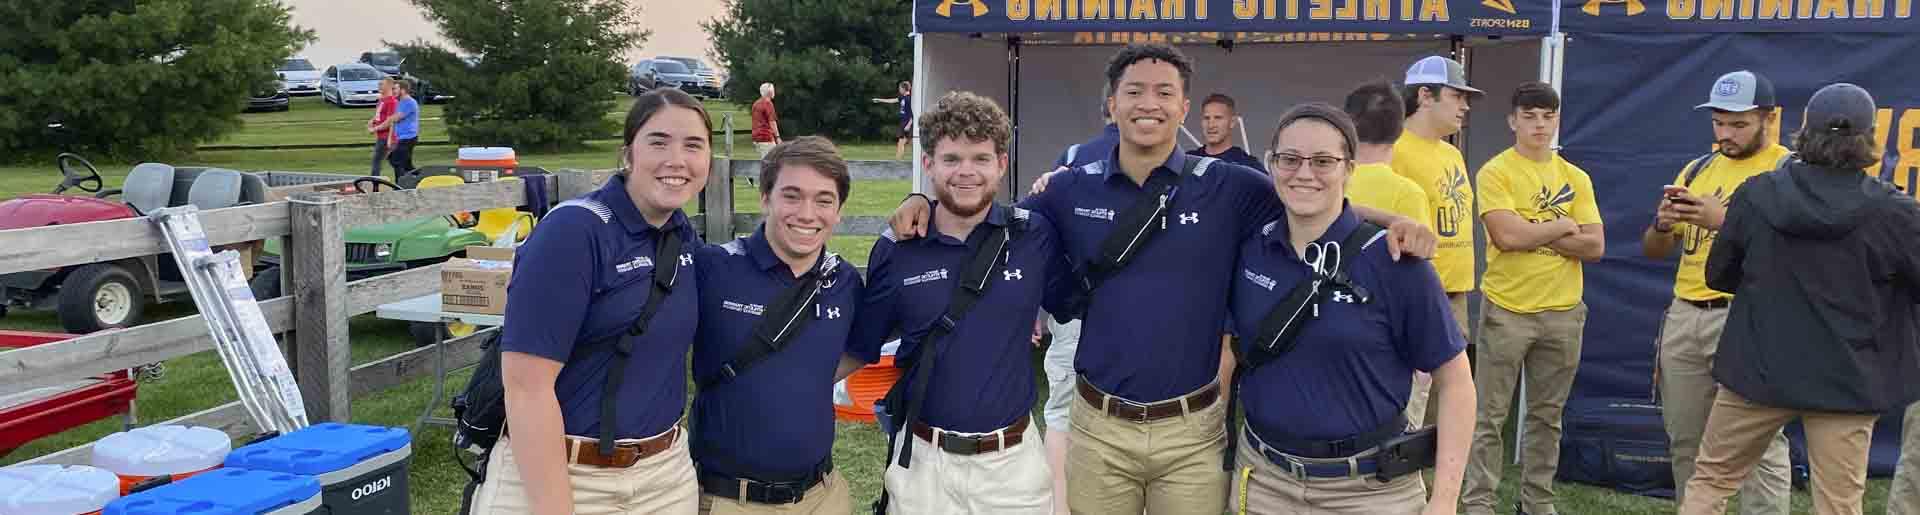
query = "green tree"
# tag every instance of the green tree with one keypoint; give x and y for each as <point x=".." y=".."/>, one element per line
<point x="825" y="58"/>
<point x="136" y="80"/>
<point x="546" y="70"/>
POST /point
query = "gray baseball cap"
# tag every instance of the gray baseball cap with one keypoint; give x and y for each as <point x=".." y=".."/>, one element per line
<point x="1439" y="70"/>
<point x="1739" y="92"/>
<point x="1839" y="103"/>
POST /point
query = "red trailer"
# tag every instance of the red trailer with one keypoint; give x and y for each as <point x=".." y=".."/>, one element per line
<point x="33" y="414"/>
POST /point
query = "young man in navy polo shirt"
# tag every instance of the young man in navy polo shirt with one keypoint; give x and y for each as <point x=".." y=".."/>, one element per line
<point x="763" y="436"/>
<point x="974" y="444"/>
<point x="1150" y="431"/>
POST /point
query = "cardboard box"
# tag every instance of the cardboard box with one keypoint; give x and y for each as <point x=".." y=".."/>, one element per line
<point x="477" y="283"/>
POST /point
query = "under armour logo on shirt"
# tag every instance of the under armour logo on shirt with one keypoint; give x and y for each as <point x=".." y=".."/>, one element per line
<point x="1189" y="218"/>
<point x="1344" y="297"/>
<point x="686" y="260"/>
<point x="1011" y="275"/>
<point x="829" y="312"/>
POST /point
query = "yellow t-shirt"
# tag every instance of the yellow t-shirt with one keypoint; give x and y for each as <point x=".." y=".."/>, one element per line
<point x="1719" y="179"/>
<point x="1376" y="186"/>
<point x="1540" y="279"/>
<point x="1439" y="170"/>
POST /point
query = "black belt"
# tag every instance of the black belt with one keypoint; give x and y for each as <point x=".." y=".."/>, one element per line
<point x="764" y="492"/>
<point x="1354" y="467"/>
<point x="1331" y="449"/>
<point x="1720" y="303"/>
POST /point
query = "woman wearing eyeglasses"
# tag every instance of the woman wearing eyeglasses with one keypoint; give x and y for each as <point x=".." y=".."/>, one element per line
<point x="1330" y="332"/>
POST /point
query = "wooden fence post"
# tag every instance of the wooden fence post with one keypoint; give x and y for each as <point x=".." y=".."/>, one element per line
<point x="316" y="261"/>
<point x="571" y="183"/>
<point x="719" y="201"/>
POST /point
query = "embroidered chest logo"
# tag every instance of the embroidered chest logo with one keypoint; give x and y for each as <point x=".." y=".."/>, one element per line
<point x="751" y="309"/>
<point x="686" y="260"/>
<point x="1191" y="217"/>
<point x="1011" y="275"/>
<point x="1257" y="279"/>
<point x="825" y="312"/>
<point x="1343" y="297"/>
<point x="636" y="264"/>
<point x="1097" y="214"/>
<point x="926" y="277"/>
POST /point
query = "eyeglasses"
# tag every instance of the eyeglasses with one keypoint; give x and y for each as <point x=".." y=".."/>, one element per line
<point x="1290" y="162"/>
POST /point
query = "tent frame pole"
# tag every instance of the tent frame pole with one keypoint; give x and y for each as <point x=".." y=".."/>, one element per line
<point x="919" y="101"/>
<point x="1012" y="178"/>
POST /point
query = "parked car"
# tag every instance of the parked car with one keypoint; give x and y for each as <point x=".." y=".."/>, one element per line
<point x="640" y="78"/>
<point x="351" y="84"/>
<point x="673" y="74"/>
<point x="299" y="77"/>
<point x="709" y="78"/>
<point x="390" y="63"/>
<point x="271" y="96"/>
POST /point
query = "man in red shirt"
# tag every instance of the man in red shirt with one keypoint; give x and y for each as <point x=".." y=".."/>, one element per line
<point x="766" y="122"/>
<point x="381" y="134"/>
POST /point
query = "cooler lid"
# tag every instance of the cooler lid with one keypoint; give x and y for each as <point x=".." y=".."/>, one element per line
<point x="56" y="489"/>
<point x="486" y="153"/>
<point x="221" y="492"/>
<point x="320" y="448"/>
<point x="160" y="450"/>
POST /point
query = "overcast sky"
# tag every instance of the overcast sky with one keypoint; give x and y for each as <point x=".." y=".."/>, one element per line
<point x="345" y="28"/>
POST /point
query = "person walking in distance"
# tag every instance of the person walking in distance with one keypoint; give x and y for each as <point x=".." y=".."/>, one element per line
<point x="905" y="102"/>
<point x="405" y="124"/>
<point x="1742" y="107"/>
<point x="766" y="121"/>
<point x="382" y="137"/>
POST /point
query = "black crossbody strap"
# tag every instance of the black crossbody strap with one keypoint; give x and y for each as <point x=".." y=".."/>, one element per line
<point x="990" y="256"/>
<point x="787" y="315"/>
<point x="1134" y="229"/>
<point x="666" y="269"/>
<point x="1282" y="324"/>
<point x="1694" y="167"/>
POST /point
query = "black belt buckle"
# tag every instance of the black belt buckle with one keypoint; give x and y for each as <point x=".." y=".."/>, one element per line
<point x="779" y="493"/>
<point x="958" y="445"/>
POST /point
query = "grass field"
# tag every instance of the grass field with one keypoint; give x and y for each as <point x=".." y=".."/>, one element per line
<point x="197" y="382"/>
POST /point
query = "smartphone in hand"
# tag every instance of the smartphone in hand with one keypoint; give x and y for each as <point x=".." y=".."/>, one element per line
<point x="1677" y="194"/>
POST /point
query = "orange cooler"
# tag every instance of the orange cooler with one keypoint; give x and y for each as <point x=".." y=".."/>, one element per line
<point x="482" y="164"/>
<point x="178" y="452"/>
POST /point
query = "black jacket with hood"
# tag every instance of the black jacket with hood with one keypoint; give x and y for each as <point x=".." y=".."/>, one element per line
<point x="1825" y="274"/>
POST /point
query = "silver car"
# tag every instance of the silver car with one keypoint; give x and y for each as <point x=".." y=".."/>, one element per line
<point x="299" y="77"/>
<point x="351" y="85"/>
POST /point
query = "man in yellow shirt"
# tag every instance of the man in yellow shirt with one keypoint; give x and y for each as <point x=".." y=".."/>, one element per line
<point x="1542" y="223"/>
<point x="1743" y="107"/>
<point x="1436" y="102"/>
<point x="1378" y="117"/>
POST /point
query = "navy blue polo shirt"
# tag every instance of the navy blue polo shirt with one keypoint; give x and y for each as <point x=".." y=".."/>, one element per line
<point x="1353" y="366"/>
<point x="775" y="421"/>
<point x="1233" y="155"/>
<point x="983" y="379"/>
<point x="1152" y="331"/>
<point x="582" y="276"/>
<point x="1093" y="150"/>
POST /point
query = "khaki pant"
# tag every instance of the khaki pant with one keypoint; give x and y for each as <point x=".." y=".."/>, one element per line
<point x="1262" y="487"/>
<point x="662" y="483"/>
<point x="1688" y="339"/>
<point x="830" y="497"/>
<point x="1011" y="481"/>
<point x="1546" y="346"/>
<point x="763" y="147"/>
<point x="1168" y="466"/>
<point x="1419" y="411"/>
<point x="1738" y="433"/>
<point x="1904" y="498"/>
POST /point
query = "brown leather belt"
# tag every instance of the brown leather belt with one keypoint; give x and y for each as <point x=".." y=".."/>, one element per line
<point x="1124" y="409"/>
<point x="586" y="451"/>
<point x="1720" y="303"/>
<point x="975" y="444"/>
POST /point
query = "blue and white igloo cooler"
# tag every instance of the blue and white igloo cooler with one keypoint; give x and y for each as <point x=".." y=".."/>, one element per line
<point x="362" y="469"/>
<point x="226" y="491"/>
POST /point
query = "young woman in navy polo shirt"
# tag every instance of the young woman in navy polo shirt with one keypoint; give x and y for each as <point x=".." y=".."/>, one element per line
<point x="580" y="279"/>
<point x="1316" y="416"/>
